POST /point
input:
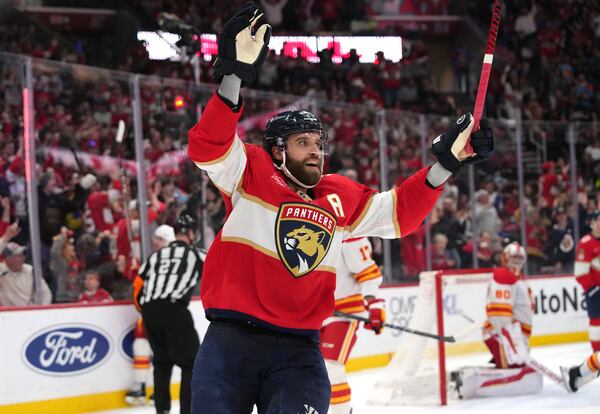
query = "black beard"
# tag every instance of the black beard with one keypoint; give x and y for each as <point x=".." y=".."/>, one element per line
<point x="299" y="170"/>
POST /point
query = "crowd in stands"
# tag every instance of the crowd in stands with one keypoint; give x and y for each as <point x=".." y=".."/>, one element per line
<point x="88" y="254"/>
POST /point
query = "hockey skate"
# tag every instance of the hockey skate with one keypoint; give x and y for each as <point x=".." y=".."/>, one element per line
<point x="454" y="385"/>
<point x="573" y="379"/>
<point x="136" y="396"/>
<point x="570" y="376"/>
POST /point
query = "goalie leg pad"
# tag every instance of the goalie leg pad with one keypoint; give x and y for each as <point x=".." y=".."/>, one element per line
<point x="479" y="382"/>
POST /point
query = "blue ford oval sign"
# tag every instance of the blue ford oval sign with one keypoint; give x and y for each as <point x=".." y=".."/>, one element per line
<point x="67" y="349"/>
<point x="127" y="343"/>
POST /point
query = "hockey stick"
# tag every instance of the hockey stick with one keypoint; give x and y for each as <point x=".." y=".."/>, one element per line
<point x="545" y="371"/>
<point x="397" y="327"/>
<point x="521" y="351"/>
<point x="124" y="182"/>
<point x="488" y="58"/>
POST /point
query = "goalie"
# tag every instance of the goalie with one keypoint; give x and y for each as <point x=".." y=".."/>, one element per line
<point x="506" y="334"/>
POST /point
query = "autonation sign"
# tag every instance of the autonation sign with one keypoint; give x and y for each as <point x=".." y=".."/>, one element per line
<point x="67" y="349"/>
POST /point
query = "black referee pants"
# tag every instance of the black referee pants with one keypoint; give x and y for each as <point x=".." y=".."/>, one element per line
<point x="174" y="341"/>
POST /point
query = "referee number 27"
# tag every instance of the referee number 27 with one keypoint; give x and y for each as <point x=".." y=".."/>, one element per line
<point x="169" y="266"/>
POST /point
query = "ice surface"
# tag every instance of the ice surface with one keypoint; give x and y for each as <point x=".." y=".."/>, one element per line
<point x="552" y="399"/>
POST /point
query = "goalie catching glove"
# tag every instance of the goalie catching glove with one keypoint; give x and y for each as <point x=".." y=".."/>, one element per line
<point x="376" y="310"/>
<point x="240" y="53"/>
<point x="450" y="148"/>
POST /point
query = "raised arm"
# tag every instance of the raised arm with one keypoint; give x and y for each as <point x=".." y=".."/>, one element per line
<point x="213" y="143"/>
<point x="400" y="211"/>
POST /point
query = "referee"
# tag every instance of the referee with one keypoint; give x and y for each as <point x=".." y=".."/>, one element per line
<point x="162" y="292"/>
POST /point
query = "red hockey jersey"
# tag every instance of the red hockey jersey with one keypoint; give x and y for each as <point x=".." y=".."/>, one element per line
<point x="587" y="262"/>
<point x="275" y="260"/>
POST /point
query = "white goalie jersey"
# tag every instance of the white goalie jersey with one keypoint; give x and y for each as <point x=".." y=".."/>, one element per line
<point x="357" y="276"/>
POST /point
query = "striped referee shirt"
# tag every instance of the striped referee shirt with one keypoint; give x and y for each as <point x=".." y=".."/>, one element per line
<point x="170" y="274"/>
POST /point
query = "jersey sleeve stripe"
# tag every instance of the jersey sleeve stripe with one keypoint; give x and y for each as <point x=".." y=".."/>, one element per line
<point x="350" y="309"/>
<point x="362" y="215"/>
<point x="499" y="313"/>
<point x="256" y="200"/>
<point x="394" y="214"/>
<point x="500" y="306"/>
<point x="221" y="158"/>
<point x="349" y="299"/>
<point x="366" y="278"/>
<point x="369" y="273"/>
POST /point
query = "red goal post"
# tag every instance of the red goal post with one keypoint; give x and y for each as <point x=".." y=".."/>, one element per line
<point x="448" y="303"/>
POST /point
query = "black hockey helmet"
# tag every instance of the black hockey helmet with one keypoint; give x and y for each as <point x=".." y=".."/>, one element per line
<point x="184" y="223"/>
<point x="286" y="123"/>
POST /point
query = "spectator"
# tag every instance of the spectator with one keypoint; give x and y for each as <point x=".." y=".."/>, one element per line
<point x="486" y="248"/>
<point x="560" y="247"/>
<point x="17" y="284"/>
<point x="441" y="258"/>
<point x="163" y="235"/>
<point x="486" y="217"/>
<point x="92" y="292"/>
<point x="65" y="266"/>
<point x="449" y="226"/>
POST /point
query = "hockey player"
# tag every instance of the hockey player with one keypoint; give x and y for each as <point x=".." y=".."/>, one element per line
<point x="136" y="396"/>
<point x="269" y="276"/>
<point x="506" y="334"/>
<point x="577" y="376"/>
<point x="357" y="282"/>
<point x="587" y="273"/>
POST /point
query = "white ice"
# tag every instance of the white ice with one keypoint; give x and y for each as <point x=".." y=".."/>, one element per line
<point x="551" y="400"/>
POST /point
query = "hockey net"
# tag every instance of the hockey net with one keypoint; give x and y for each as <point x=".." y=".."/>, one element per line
<point x="448" y="303"/>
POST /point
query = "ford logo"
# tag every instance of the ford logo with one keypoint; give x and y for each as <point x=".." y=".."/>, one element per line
<point x="127" y="343"/>
<point x="67" y="349"/>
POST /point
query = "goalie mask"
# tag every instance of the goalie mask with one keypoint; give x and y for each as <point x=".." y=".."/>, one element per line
<point x="284" y="124"/>
<point x="514" y="256"/>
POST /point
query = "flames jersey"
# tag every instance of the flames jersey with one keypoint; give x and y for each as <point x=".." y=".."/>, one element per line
<point x="357" y="276"/>
<point x="509" y="299"/>
<point x="275" y="260"/>
<point x="587" y="262"/>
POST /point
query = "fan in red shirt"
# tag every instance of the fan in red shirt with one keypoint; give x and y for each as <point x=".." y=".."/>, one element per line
<point x="92" y="292"/>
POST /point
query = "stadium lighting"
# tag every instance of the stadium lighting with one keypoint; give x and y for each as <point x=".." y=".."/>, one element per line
<point x="161" y="46"/>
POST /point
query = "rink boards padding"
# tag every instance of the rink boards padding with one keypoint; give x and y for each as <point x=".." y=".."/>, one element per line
<point x="73" y="359"/>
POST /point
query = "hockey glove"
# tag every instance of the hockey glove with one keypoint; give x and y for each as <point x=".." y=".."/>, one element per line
<point x="240" y="53"/>
<point x="376" y="310"/>
<point x="482" y="142"/>
<point x="450" y="148"/>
